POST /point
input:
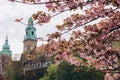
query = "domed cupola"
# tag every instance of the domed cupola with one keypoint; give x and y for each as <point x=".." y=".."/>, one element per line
<point x="30" y="31"/>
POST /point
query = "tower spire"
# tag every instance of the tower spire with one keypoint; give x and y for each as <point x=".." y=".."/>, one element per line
<point x="6" y="41"/>
<point x="30" y="21"/>
<point x="30" y="31"/>
<point x="6" y="47"/>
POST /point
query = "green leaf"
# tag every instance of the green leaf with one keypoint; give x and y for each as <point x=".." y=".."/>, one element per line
<point x="116" y="44"/>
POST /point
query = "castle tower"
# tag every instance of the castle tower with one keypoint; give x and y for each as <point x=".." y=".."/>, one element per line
<point x="5" y="55"/>
<point x="30" y="39"/>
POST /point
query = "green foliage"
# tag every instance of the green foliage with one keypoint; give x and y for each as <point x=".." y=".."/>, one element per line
<point x="51" y="73"/>
<point x="116" y="44"/>
<point x="65" y="71"/>
<point x="12" y="72"/>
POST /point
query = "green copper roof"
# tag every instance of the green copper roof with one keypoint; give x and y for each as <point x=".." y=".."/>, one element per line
<point x="30" y="31"/>
<point x="30" y="21"/>
<point x="6" y="47"/>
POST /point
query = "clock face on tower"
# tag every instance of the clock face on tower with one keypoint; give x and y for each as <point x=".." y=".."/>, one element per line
<point x="32" y="47"/>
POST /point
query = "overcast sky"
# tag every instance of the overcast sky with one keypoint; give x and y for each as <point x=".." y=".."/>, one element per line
<point x="10" y="11"/>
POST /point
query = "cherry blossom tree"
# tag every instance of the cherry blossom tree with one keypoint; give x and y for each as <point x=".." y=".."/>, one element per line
<point x="95" y="45"/>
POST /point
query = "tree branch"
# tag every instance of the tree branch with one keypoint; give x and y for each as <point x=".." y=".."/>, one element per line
<point x="87" y="22"/>
<point x="112" y="30"/>
<point x="34" y="3"/>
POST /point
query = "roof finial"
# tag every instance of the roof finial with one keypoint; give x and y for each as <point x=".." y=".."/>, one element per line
<point x="6" y="36"/>
<point x="6" y="41"/>
<point x="30" y="21"/>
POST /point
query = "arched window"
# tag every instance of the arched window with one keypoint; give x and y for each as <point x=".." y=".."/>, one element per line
<point x="26" y="33"/>
<point x="32" y="32"/>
